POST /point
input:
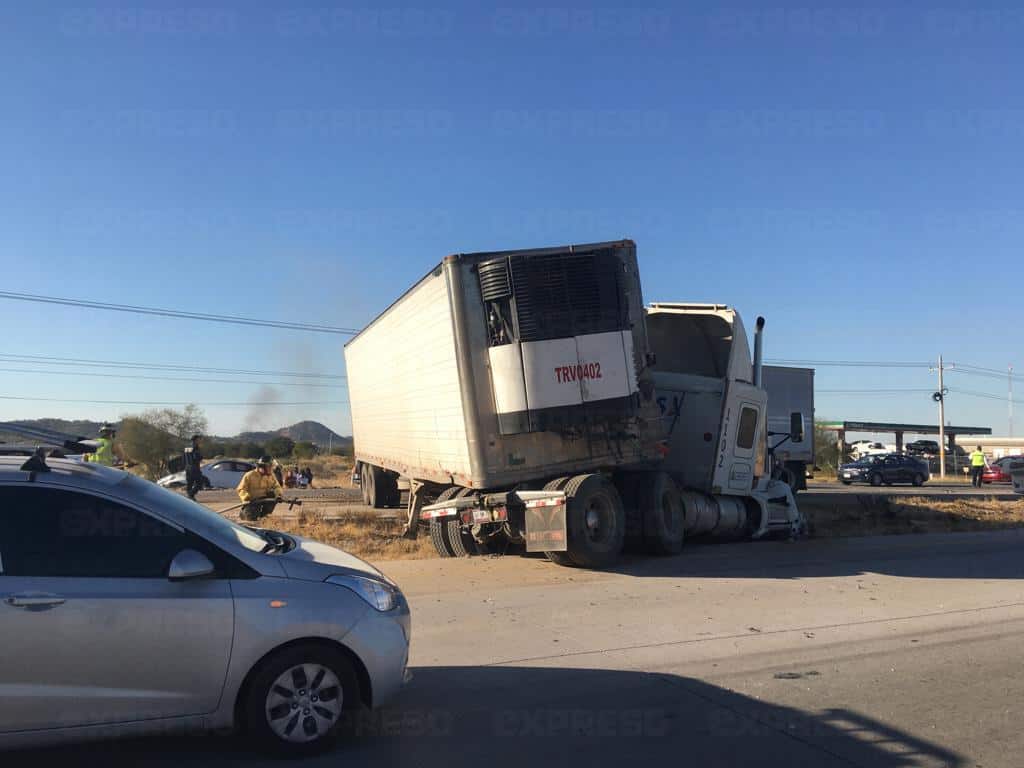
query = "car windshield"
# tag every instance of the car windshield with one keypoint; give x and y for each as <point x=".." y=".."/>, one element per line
<point x="189" y="513"/>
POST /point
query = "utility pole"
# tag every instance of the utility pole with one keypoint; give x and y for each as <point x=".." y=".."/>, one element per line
<point x="942" y="424"/>
<point x="1009" y="386"/>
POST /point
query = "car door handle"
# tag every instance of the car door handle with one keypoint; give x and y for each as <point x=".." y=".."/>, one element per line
<point x="34" y="601"/>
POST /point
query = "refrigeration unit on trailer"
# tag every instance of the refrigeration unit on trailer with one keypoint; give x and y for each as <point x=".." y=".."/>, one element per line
<point x="519" y="394"/>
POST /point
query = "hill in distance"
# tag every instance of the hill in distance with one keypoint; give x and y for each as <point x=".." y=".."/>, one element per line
<point x="308" y="431"/>
<point x="303" y="431"/>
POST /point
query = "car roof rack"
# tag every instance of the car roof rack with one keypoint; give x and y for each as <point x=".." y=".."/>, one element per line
<point x="35" y="463"/>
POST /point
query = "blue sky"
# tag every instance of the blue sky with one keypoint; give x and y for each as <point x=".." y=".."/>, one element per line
<point x="851" y="172"/>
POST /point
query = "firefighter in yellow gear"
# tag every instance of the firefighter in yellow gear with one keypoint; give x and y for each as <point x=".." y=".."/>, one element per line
<point x="108" y="452"/>
<point x="259" y="490"/>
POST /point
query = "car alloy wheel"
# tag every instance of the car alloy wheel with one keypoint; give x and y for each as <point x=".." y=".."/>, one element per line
<point x="304" y="703"/>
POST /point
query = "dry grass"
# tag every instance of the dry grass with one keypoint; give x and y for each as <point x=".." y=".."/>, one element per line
<point x="867" y="514"/>
<point x="362" y="533"/>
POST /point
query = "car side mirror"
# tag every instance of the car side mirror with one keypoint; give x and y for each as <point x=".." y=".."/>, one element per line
<point x="796" y="427"/>
<point x="189" y="564"/>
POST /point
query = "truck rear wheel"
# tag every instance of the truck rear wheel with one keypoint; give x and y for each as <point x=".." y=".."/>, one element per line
<point x="439" y="528"/>
<point x="663" y="519"/>
<point x="461" y="540"/>
<point x="595" y="521"/>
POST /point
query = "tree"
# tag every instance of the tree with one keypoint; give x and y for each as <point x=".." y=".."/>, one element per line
<point x="825" y="448"/>
<point x="154" y="436"/>
<point x="280" y="446"/>
<point x="304" y="450"/>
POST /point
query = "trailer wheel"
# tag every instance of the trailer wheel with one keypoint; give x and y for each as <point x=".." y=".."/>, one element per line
<point x="459" y="539"/>
<point x="662" y="510"/>
<point x="596" y="521"/>
<point x="383" y="490"/>
<point x="439" y="528"/>
<point x="559" y="558"/>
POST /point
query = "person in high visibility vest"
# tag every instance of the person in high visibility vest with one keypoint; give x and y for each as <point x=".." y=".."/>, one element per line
<point x="107" y="452"/>
<point x="978" y="464"/>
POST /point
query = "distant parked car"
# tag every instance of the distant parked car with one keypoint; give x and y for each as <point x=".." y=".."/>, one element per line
<point x="922" y="447"/>
<point x="862" y="448"/>
<point x="221" y="473"/>
<point x="885" y="469"/>
<point x="999" y="471"/>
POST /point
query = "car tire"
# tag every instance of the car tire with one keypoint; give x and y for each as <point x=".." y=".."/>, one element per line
<point x="301" y="699"/>
<point x="918" y="480"/>
<point x="662" y="510"/>
<point x="846" y="482"/>
<point x="875" y="480"/>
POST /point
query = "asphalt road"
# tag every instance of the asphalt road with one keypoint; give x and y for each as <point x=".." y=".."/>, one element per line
<point x="881" y="652"/>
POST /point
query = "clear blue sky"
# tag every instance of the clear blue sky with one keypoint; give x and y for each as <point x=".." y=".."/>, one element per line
<point x="851" y="172"/>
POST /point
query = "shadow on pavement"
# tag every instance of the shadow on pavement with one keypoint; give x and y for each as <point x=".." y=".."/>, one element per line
<point x="529" y="716"/>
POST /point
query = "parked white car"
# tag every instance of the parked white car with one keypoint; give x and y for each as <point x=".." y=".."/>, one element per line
<point x="220" y="473"/>
<point x="862" y="448"/>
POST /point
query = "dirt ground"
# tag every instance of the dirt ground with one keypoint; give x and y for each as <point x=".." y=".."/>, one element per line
<point x="853" y="514"/>
<point x="365" y="534"/>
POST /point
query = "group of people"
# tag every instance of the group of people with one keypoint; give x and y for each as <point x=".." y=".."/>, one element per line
<point x="298" y="478"/>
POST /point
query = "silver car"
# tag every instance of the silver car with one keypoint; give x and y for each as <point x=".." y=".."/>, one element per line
<point x="221" y="473"/>
<point x="128" y="609"/>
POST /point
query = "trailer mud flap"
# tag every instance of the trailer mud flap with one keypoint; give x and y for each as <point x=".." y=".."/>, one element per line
<point x="545" y="525"/>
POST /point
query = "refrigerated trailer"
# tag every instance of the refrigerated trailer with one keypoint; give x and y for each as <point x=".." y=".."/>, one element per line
<point x="530" y="398"/>
<point x="790" y="390"/>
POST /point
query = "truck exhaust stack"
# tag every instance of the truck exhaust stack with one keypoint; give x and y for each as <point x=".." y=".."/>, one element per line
<point x="758" y="351"/>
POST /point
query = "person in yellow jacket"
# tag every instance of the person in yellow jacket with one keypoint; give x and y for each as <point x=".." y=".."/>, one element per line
<point x="108" y="452"/>
<point x="259" y="490"/>
<point x="978" y="464"/>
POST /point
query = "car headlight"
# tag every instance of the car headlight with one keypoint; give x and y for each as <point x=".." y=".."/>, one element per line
<point x="377" y="594"/>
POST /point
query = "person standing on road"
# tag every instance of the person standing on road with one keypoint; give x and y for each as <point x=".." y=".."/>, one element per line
<point x="193" y="468"/>
<point x="978" y="464"/>
<point x="259" y="490"/>
<point x="107" y="452"/>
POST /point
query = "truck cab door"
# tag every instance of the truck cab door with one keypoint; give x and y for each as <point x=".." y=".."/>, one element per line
<point x="740" y="454"/>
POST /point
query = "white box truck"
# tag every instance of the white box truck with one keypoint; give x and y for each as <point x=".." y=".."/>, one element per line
<point x="530" y="399"/>
<point x="790" y="389"/>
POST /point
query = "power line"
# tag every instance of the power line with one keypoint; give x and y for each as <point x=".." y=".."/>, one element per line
<point x="93" y="374"/>
<point x="271" y="403"/>
<point x="51" y="360"/>
<point x="852" y="363"/>
<point x="893" y="391"/>
<point x="180" y="314"/>
<point x="975" y="393"/>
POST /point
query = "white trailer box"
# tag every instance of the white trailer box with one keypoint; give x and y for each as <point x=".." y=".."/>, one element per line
<point x="498" y="369"/>
<point x="791" y="390"/>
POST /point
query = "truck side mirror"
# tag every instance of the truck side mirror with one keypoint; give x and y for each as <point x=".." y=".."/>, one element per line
<point x="796" y="427"/>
